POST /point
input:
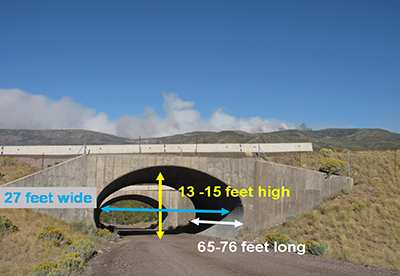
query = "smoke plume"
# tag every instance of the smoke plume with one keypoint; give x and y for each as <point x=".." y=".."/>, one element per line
<point x="22" y="110"/>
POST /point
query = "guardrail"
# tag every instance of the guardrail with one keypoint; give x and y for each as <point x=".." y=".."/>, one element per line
<point x="155" y="148"/>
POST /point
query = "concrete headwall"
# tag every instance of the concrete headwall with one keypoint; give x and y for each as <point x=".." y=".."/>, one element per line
<point x="307" y="188"/>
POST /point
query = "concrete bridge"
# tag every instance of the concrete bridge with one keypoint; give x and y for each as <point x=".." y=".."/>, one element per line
<point x="253" y="203"/>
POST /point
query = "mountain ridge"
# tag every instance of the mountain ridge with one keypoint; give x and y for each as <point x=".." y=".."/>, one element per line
<point x="334" y="138"/>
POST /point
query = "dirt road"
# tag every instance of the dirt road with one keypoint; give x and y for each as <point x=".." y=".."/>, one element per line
<point x="179" y="255"/>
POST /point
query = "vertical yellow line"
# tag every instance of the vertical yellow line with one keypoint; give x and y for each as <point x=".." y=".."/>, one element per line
<point x="160" y="231"/>
<point x="160" y="205"/>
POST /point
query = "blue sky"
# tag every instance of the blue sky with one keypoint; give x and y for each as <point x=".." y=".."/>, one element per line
<point x="155" y="68"/>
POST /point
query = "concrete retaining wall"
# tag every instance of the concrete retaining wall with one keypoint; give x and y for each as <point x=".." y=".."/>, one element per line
<point x="71" y="173"/>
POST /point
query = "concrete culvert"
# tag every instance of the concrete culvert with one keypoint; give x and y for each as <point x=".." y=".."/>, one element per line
<point x="177" y="177"/>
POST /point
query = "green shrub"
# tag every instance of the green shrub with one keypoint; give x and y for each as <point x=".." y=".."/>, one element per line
<point x="128" y="218"/>
<point x="50" y="269"/>
<point x="278" y="238"/>
<point x="59" y="272"/>
<point x="84" y="248"/>
<point x="7" y="161"/>
<point x="361" y="206"/>
<point x="348" y="255"/>
<point x="6" y="225"/>
<point x="336" y="167"/>
<point x="318" y="248"/>
<point x="81" y="226"/>
<point x="53" y="236"/>
<point x="325" y="152"/>
<point x="75" y="257"/>
<point x="95" y="234"/>
<point x="103" y="235"/>
<point x="72" y="261"/>
<point x="290" y="217"/>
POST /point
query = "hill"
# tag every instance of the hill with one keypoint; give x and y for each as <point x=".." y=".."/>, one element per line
<point x="20" y="137"/>
<point x="338" y="139"/>
<point x="334" y="138"/>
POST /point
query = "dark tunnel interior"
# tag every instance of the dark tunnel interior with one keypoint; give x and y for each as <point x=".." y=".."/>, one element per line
<point x="177" y="177"/>
<point x="150" y="201"/>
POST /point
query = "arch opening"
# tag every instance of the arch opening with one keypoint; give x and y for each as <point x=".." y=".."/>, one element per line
<point x="127" y="221"/>
<point x="177" y="177"/>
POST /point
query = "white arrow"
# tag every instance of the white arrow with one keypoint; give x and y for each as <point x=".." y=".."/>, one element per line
<point x="197" y="221"/>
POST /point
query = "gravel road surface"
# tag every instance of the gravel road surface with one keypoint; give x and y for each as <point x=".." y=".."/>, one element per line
<point x="179" y="255"/>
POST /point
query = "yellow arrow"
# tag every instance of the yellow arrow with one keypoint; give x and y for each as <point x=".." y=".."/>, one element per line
<point x="160" y="179"/>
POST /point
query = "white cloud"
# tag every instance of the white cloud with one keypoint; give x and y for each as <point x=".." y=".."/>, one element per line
<point x="22" y="110"/>
<point x="19" y="109"/>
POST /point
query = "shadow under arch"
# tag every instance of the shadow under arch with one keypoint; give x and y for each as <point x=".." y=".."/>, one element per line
<point x="176" y="177"/>
<point x="150" y="201"/>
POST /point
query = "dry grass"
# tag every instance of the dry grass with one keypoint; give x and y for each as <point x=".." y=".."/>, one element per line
<point x="362" y="225"/>
<point x="20" y="251"/>
<point x="15" y="170"/>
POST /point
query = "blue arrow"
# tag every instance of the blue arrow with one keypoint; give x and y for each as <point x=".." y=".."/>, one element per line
<point x="222" y="211"/>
